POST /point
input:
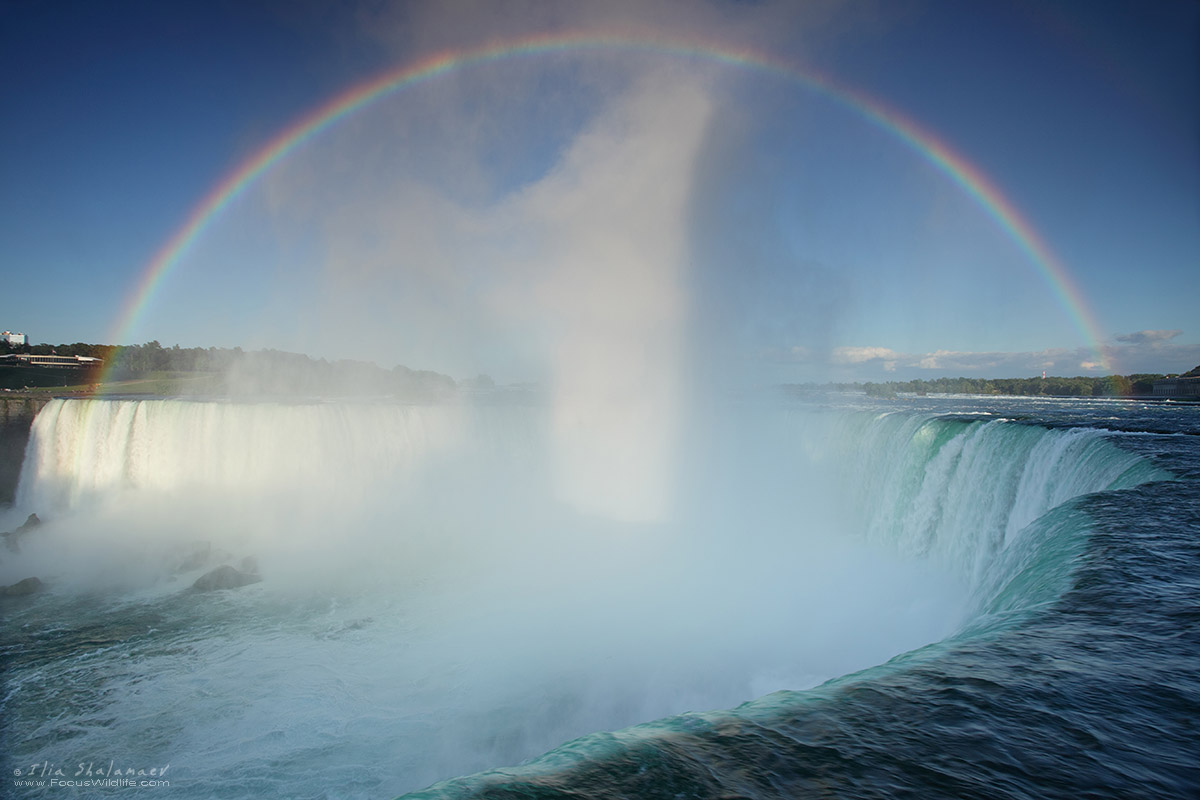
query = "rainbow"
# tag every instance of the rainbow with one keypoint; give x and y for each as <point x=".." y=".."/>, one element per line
<point x="937" y="152"/>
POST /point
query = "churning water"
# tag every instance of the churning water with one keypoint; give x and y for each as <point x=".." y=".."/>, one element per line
<point x="958" y="597"/>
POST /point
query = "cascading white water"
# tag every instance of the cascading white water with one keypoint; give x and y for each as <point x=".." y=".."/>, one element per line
<point x="960" y="490"/>
<point x="435" y="603"/>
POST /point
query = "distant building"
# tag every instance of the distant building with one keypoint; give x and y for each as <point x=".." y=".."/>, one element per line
<point x="14" y="338"/>
<point x="20" y="360"/>
<point x="1177" y="387"/>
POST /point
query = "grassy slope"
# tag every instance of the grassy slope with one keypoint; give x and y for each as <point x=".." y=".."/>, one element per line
<point x="156" y="383"/>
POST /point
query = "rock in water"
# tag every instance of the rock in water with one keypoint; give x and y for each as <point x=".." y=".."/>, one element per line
<point x="22" y="588"/>
<point x="224" y="577"/>
<point x="13" y="538"/>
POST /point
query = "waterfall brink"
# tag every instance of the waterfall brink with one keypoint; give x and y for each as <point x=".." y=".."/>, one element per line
<point x="952" y="490"/>
<point x="317" y="492"/>
<point x="427" y="564"/>
<point x="82" y="450"/>
<point x="963" y="489"/>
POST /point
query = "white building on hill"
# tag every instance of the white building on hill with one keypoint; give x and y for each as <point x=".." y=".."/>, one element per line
<point x="14" y="338"/>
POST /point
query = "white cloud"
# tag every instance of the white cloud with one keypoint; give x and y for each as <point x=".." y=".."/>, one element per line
<point x="800" y="353"/>
<point x="1154" y="357"/>
<point x="858" y="355"/>
<point x="1148" y="337"/>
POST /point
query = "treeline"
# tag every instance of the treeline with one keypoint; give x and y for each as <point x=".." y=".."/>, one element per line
<point x="1081" y="386"/>
<point x="77" y="349"/>
<point x="139" y="359"/>
<point x="263" y="372"/>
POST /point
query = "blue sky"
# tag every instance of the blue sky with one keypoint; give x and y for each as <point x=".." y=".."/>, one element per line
<point x="626" y="209"/>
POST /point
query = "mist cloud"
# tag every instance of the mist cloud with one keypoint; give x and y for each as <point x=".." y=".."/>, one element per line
<point x="575" y="278"/>
<point x="607" y="282"/>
